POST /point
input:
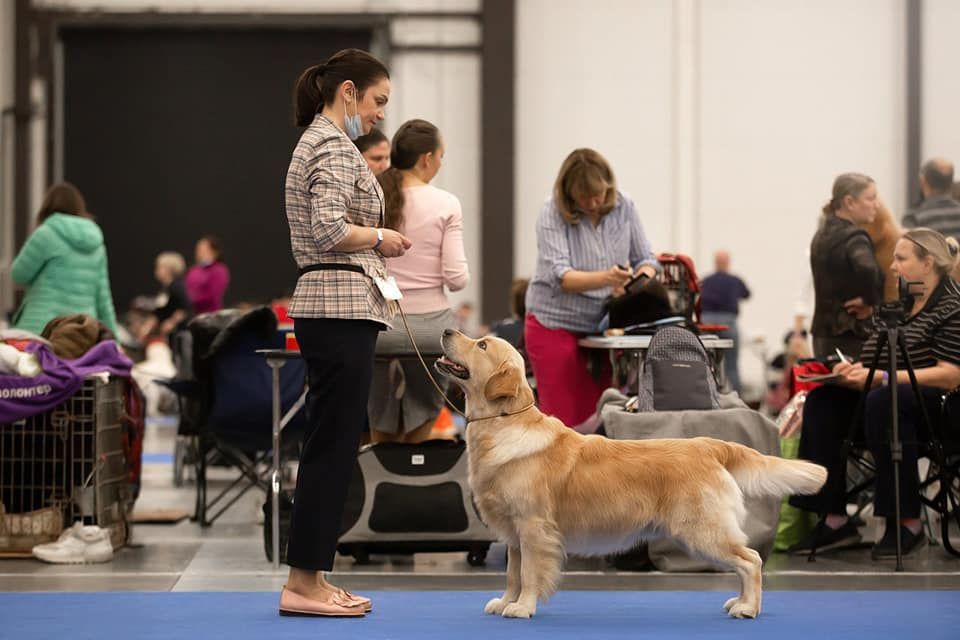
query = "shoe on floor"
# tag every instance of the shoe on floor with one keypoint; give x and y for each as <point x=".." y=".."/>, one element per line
<point x="887" y="547"/>
<point x="827" y="539"/>
<point x="339" y="606"/>
<point x="77" y="545"/>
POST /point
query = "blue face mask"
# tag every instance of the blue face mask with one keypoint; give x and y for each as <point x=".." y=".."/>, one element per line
<point x="353" y="124"/>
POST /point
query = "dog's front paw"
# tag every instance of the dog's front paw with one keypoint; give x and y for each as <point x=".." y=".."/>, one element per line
<point x="729" y="603"/>
<point x="517" y="610"/>
<point x="496" y="606"/>
<point x="743" y="610"/>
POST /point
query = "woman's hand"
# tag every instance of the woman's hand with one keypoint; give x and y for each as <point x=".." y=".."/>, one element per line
<point x="394" y="244"/>
<point x="853" y="375"/>
<point x="647" y="269"/>
<point x="858" y="309"/>
<point x="616" y="276"/>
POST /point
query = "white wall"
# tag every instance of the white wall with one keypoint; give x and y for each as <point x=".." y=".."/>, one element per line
<point x="445" y="89"/>
<point x="941" y="89"/>
<point x="593" y="74"/>
<point x="727" y="121"/>
<point x="792" y="94"/>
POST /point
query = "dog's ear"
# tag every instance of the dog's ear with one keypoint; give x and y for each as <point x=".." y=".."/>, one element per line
<point x="504" y="383"/>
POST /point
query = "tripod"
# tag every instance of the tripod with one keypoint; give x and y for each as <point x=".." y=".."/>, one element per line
<point x="890" y="340"/>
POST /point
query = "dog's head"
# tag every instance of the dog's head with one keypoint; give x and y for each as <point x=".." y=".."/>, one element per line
<point x="490" y="371"/>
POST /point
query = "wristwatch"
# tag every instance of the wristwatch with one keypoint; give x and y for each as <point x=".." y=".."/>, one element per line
<point x="379" y="238"/>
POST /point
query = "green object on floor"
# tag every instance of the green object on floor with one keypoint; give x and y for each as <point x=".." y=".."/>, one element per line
<point x="795" y="524"/>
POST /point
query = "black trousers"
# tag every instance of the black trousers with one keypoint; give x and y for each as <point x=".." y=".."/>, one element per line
<point x="339" y="357"/>
<point x="827" y="415"/>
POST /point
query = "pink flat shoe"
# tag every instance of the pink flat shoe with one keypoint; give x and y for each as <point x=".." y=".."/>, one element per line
<point x="294" y="604"/>
<point x="363" y="601"/>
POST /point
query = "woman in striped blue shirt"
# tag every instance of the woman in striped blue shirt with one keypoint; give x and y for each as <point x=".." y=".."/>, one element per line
<point x="589" y="244"/>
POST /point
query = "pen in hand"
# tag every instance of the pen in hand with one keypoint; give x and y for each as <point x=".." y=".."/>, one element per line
<point x="843" y="358"/>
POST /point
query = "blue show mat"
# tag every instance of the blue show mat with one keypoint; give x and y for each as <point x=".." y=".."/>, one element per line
<point x="449" y="615"/>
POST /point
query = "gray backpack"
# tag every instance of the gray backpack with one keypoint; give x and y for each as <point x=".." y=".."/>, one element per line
<point x="676" y="374"/>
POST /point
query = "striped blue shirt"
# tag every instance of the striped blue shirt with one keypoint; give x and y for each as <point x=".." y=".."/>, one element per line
<point x="562" y="247"/>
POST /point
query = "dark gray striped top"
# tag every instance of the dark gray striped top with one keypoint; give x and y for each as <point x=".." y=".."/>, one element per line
<point x="930" y="336"/>
<point x="940" y="213"/>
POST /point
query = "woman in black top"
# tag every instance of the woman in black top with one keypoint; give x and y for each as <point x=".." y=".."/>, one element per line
<point x="173" y="306"/>
<point x="847" y="282"/>
<point x="931" y="333"/>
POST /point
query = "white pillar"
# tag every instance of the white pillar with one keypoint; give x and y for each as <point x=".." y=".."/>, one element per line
<point x="685" y="160"/>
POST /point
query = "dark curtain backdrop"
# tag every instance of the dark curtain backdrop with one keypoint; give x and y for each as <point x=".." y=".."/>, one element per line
<point x="172" y="134"/>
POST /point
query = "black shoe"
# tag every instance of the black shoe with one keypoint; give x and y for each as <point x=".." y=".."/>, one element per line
<point x="887" y="547"/>
<point x="827" y="539"/>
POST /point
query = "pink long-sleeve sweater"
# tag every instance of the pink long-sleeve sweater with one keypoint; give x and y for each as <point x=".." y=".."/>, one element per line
<point x="433" y="221"/>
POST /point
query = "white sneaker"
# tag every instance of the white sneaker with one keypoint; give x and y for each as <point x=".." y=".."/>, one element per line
<point x="77" y="545"/>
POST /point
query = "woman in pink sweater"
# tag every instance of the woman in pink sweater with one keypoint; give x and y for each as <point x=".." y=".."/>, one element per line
<point x="403" y="403"/>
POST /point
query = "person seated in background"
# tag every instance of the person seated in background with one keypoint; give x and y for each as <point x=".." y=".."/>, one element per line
<point x="931" y="334"/>
<point x="63" y="265"/>
<point x="208" y="279"/>
<point x="172" y="306"/>
<point x="590" y="244"/>
<point x="375" y="149"/>
<point x="511" y="329"/>
<point x="404" y="404"/>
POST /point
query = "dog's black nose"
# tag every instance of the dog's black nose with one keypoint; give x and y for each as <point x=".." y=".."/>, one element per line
<point x="448" y="332"/>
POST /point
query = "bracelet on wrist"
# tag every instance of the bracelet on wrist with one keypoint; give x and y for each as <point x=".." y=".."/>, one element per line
<point x="379" y="239"/>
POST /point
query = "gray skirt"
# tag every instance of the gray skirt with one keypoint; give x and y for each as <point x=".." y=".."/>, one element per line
<point x="400" y="385"/>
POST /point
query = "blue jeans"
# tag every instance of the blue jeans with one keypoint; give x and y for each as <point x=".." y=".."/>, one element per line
<point x="731" y="357"/>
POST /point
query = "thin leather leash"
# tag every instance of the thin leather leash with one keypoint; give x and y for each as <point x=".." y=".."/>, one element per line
<point x="436" y="386"/>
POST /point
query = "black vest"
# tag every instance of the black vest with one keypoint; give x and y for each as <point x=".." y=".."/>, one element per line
<point x="834" y="281"/>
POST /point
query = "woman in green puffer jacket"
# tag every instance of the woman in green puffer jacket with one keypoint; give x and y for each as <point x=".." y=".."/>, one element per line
<point x="63" y="265"/>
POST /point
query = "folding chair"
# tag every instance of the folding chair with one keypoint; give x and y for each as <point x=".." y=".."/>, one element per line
<point x="940" y="488"/>
<point x="234" y="412"/>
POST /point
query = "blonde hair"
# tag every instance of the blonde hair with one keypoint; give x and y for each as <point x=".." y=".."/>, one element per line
<point x="173" y="262"/>
<point x="846" y="184"/>
<point x="927" y="242"/>
<point x="584" y="172"/>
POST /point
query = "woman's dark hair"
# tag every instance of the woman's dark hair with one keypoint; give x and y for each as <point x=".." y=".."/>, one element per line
<point x="372" y="139"/>
<point x="413" y="139"/>
<point x="317" y="85"/>
<point x="62" y="198"/>
<point x="215" y="245"/>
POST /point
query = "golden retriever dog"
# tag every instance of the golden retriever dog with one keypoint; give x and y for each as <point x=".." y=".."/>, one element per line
<point x="884" y="232"/>
<point x="545" y="489"/>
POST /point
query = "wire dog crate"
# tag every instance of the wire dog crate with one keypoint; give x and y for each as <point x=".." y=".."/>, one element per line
<point x="65" y="465"/>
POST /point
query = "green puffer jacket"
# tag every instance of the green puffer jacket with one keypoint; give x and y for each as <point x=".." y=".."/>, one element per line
<point x="63" y="266"/>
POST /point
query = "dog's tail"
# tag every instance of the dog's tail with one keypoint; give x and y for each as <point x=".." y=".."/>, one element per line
<point x="760" y="475"/>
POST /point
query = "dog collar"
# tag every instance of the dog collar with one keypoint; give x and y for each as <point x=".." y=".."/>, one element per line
<point x="502" y="415"/>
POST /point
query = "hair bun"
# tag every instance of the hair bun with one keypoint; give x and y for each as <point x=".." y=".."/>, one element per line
<point x="953" y="245"/>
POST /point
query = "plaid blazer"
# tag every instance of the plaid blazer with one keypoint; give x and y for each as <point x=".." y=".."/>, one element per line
<point x="328" y="186"/>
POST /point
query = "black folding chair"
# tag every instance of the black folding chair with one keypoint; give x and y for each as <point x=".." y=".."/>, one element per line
<point x="227" y="407"/>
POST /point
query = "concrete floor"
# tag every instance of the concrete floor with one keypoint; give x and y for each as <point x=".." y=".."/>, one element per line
<point x="229" y="556"/>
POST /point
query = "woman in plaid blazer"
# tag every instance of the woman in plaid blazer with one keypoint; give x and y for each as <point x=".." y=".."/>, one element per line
<point x="335" y="211"/>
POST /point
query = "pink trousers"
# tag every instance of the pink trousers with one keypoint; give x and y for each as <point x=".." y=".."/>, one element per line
<point x="564" y="386"/>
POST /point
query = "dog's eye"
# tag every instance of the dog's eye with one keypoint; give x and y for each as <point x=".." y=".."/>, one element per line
<point x="482" y="344"/>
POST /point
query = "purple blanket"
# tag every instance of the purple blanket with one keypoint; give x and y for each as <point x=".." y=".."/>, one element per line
<point x="24" y="397"/>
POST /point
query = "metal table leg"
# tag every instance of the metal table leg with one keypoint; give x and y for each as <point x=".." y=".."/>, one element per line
<point x="276" y="365"/>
